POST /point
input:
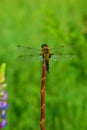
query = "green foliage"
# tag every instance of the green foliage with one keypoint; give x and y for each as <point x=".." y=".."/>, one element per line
<point x="32" y="23"/>
<point x="2" y="72"/>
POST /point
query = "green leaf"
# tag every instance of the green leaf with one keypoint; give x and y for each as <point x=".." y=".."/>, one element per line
<point x="2" y="72"/>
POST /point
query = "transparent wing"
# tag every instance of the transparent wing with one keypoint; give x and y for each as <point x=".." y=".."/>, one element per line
<point x="27" y="50"/>
<point x="63" y="48"/>
<point x="30" y="58"/>
<point x="28" y="54"/>
<point x="62" y="57"/>
<point x="63" y="52"/>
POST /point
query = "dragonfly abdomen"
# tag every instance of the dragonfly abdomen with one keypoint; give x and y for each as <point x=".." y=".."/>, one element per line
<point x="47" y="66"/>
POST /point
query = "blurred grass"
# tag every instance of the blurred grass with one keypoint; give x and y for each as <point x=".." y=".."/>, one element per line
<point x="32" y="23"/>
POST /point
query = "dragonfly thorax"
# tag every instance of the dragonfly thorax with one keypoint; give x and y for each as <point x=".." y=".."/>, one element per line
<point x="45" y="56"/>
<point x="45" y="53"/>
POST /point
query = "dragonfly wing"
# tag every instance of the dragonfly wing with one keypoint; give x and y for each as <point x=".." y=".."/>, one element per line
<point x="63" y="52"/>
<point x="27" y="50"/>
<point x="30" y="58"/>
<point x="28" y="54"/>
<point x="63" y="48"/>
<point x="62" y="57"/>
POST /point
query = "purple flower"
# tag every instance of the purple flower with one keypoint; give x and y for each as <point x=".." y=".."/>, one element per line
<point x="5" y="96"/>
<point x="3" y="123"/>
<point x="3" y="105"/>
<point x="3" y="114"/>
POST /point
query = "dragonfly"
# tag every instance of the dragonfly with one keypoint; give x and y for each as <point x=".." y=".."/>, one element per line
<point x="45" y="54"/>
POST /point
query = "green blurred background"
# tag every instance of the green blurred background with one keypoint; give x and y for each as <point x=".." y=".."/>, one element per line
<point x="31" y="23"/>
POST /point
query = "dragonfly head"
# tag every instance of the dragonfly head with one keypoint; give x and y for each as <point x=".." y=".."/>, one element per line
<point x="44" y="46"/>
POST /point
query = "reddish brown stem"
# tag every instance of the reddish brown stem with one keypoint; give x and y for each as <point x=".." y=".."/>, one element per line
<point x="42" y="120"/>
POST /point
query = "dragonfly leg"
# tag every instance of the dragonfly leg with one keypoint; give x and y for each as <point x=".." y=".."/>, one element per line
<point x="51" y="55"/>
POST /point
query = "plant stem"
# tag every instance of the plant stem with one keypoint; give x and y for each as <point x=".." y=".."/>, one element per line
<point x="42" y="120"/>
